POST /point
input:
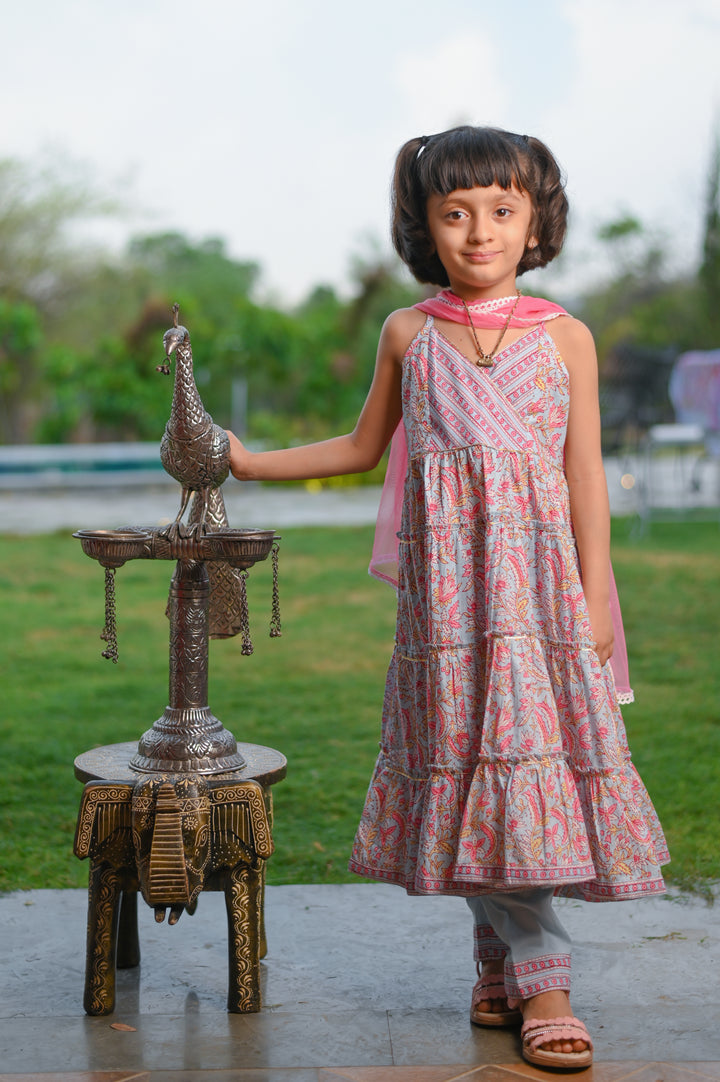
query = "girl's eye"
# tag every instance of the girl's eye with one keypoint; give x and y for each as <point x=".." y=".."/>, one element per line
<point x="455" y="215"/>
<point x="503" y="212"/>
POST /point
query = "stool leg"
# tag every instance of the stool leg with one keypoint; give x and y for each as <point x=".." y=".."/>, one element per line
<point x="242" y="901"/>
<point x="262" y="932"/>
<point x="103" y="905"/>
<point x="128" y="947"/>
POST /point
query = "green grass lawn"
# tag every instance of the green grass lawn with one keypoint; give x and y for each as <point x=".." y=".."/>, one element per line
<point x="316" y="693"/>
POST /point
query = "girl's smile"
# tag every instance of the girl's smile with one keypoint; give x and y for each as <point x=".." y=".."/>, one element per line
<point x="480" y="257"/>
<point x="480" y="236"/>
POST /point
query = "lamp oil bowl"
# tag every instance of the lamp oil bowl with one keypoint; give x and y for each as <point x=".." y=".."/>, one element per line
<point x="112" y="548"/>
<point x="241" y="548"/>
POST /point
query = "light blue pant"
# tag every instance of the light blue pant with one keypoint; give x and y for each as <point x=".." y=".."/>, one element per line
<point x="522" y="927"/>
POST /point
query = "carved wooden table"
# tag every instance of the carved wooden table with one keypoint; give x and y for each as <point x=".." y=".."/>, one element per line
<point x="171" y="836"/>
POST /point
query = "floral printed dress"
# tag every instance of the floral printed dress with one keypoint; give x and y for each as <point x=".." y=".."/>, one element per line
<point x="503" y="762"/>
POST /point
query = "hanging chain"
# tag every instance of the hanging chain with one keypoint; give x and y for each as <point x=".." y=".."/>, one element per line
<point x="109" y="632"/>
<point x="275" y="625"/>
<point x="247" y="646"/>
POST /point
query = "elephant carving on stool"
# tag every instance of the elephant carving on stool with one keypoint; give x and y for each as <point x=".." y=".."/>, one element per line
<point x="171" y="836"/>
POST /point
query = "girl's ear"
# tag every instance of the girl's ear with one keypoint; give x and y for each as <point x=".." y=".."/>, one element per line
<point x="531" y="243"/>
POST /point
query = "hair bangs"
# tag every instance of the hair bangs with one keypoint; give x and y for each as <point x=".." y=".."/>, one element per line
<point x="473" y="157"/>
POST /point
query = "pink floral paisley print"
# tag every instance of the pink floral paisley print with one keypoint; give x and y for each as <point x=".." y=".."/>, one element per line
<point x="503" y="761"/>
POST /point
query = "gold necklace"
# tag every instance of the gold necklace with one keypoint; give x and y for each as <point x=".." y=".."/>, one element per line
<point x="485" y="360"/>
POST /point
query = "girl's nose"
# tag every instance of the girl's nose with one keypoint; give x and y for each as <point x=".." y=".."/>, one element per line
<point x="480" y="229"/>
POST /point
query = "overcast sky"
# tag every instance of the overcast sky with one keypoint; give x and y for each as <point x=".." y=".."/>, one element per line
<point x="275" y="123"/>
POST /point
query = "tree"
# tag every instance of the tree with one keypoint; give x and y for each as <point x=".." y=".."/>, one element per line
<point x="709" y="274"/>
<point x="42" y="273"/>
<point x="39" y="205"/>
<point x="20" y="342"/>
<point x="203" y="272"/>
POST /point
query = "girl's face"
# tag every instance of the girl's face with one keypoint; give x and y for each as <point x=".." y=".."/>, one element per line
<point x="480" y="236"/>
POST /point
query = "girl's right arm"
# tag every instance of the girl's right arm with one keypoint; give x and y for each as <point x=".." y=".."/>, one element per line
<point x="357" y="451"/>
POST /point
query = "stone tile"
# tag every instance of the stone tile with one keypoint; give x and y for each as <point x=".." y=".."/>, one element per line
<point x="488" y="1072"/>
<point x="261" y="1074"/>
<point x="192" y="1041"/>
<point x="447" y="1037"/>
<point x="622" y="1071"/>
<point x="495" y="1073"/>
<point x="313" y="1040"/>
<point x="665" y="1031"/>
<point x="664" y="1072"/>
<point x="598" y="1072"/>
<point x="75" y="1076"/>
<point x="397" y="1074"/>
<point x="604" y="1071"/>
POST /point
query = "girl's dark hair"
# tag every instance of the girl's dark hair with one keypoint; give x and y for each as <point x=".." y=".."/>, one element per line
<point x="464" y="158"/>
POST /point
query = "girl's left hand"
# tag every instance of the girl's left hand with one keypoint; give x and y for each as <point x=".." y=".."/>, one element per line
<point x="603" y="633"/>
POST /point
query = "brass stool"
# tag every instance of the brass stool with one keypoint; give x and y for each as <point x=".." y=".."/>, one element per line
<point x="171" y="836"/>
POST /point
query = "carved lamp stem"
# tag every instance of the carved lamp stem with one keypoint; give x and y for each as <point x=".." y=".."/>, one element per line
<point x="188" y="736"/>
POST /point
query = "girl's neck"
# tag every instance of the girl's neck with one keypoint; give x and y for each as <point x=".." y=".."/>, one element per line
<point x="475" y="296"/>
<point x="478" y="294"/>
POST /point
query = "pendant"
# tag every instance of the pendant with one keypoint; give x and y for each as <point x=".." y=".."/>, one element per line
<point x="484" y="362"/>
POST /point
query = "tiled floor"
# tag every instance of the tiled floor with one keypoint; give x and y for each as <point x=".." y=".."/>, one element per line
<point x="602" y="1072"/>
<point x="361" y="984"/>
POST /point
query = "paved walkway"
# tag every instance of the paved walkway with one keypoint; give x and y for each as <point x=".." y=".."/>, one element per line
<point x="151" y="498"/>
<point x="360" y="983"/>
<point x="248" y="506"/>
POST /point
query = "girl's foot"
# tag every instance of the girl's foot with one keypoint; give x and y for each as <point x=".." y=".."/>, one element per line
<point x="551" y="1036"/>
<point x="489" y="1002"/>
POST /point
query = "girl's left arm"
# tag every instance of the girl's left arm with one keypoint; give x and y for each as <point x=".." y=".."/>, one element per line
<point x="589" y="504"/>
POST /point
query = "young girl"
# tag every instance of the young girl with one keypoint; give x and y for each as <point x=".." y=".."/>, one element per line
<point x="504" y="773"/>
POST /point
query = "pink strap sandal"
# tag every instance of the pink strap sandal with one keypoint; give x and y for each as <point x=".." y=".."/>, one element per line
<point x="537" y="1031"/>
<point x="487" y="988"/>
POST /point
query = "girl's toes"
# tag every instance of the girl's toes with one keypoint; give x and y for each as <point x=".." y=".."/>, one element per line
<point x="563" y="1046"/>
<point x="492" y="1006"/>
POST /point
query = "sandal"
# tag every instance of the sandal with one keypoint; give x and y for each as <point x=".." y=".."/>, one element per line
<point x="489" y="987"/>
<point x="537" y="1031"/>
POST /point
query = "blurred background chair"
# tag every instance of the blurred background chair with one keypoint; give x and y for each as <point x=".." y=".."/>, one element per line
<point x="680" y="461"/>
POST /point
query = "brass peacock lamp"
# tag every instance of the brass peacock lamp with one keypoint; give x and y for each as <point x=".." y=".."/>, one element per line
<point x="184" y="811"/>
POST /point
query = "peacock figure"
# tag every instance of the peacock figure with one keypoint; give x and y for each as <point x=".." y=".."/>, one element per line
<point x="196" y="452"/>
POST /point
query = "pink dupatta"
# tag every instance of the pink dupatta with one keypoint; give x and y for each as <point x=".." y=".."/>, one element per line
<point x="490" y="315"/>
